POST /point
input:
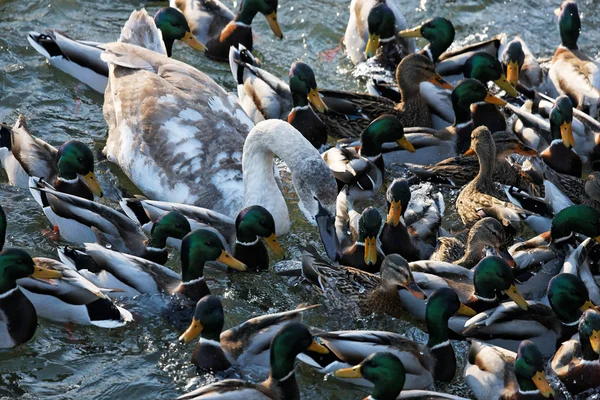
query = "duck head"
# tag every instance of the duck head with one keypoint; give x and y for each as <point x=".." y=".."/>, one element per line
<point x="569" y="23"/>
<point x="529" y="369"/>
<point x="76" y="161"/>
<point x="467" y="92"/>
<point x="508" y="143"/>
<point x="382" y="27"/>
<point x="492" y="277"/>
<point x="561" y="120"/>
<point x="513" y="58"/>
<point x="268" y="8"/>
<point x="485" y="67"/>
<point x="303" y="86"/>
<point x="256" y="222"/>
<point x="482" y="144"/>
<point x="291" y="340"/>
<point x="174" y="26"/>
<point x="369" y="225"/>
<point x="438" y="31"/>
<point x="589" y="334"/>
<point x="415" y="69"/>
<point x="578" y="218"/>
<point x="172" y="224"/>
<point x="208" y="320"/>
<point x="489" y="231"/>
<point x="398" y="196"/>
<point x="568" y="297"/>
<point x="16" y="264"/>
<point x="396" y="274"/>
<point x="386" y="128"/>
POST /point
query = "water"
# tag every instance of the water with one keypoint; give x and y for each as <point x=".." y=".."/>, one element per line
<point x="144" y="360"/>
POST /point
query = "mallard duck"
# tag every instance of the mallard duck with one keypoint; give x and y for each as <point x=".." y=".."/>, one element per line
<point x="452" y="62"/>
<point x="132" y="275"/>
<point x="388" y="375"/>
<point x="370" y="292"/>
<point x="290" y="341"/>
<point x="20" y="319"/>
<point x="245" y="344"/>
<point x="364" y="170"/>
<point x="494" y="372"/>
<point x="424" y="362"/>
<point x="81" y="59"/>
<point x="217" y="27"/>
<point x="576" y="363"/>
<point x="414" y="240"/>
<point x="373" y="22"/>
<point x="521" y="66"/>
<point x="481" y="196"/>
<point x="438" y="31"/>
<point x="458" y="171"/>
<point x="573" y="72"/>
<point x="433" y="146"/>
<point x="365" y="253"/>
<point x="70" y="168"/>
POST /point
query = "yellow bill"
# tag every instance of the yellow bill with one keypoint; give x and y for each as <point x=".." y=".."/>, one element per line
<point x="372" y="45"/>
<point x="588" y="305"/>
<point x="491" y="99"/>
<point x="370" y="251"/>
<point x="566" y="133"/>
<point x="469" y="152"/>
<point x="316" y="100"/>
<point x="191" y="332"/>
<point x="318" y="348"/>
<point x="274" y="25"/>
<point x="512" y="73"/>
<point x="541" y="383"/>
<point x="595" y="341"/>
<point x="353" y="372"/>
<point x="393" y="218"/>
<point x="405" y="144"/>
<point x="438" y="81"/>
<point x="466" y="311"/>
<point x="92" y="182"/>
<point x="411" y="33"/>
<point x="506" y="85"/>
<point x="44" y="273"/>
<point x="231" y="262"/>
<point x="514" y="294"/>
<point x="191" y="41"/>
<point x="274" y="245"/>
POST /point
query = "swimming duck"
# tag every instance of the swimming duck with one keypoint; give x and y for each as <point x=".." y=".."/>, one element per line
<point x="364" y="170"/>
<point x="245" y="344"/>
<point x="521" y="66"/>
<point x="20" y="319"/>
<point x="132" y="275"/>
<point x="414" y="240"/>
<point x="370" y="292"/>
<point x="573" y="72"/>
<point x="388" y="375"/>
<point x="81" y="59"/>
<point x="290" y="341"/>
<point x="217" y="27"/>
<point x="424" y="362"/>
<point x="365" y="253"/>
<point x="70" y="168"/>
<point x="374" y="22"/>
<point x="577" y="362"/>
<point x="494" y="372"/>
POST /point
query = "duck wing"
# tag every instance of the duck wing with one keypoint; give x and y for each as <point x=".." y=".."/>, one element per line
<point x="37" y="157"/>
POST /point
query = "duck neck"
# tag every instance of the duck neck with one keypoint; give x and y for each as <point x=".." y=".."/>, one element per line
<point x="168" y="45"/>
<point x="472" y="253"/>
<point x="526" y="387"/>
<point x="158" y="240"/>
<point x="436" y="48"/>
<point x="486" y="170"/>
<point x="462" y="115"/>
<point x="299" y="100"/>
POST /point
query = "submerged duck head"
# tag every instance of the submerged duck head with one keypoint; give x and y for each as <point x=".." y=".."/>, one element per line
<point x="384" y="370"/>
<point x="485" y="67"/>
<point x="303" y="86"/>
<point x="172" y="224"/>
<point x="174" y="26"/>
<point x="492" y="277"/>
<point x="386" y="128"/>
<point x="398" y="196"/>
<point x="569" y="23"/>
<point x="291" y="340"/>
<point x="438" y="31"/>
<point x="577" y="218"/>
<point x="467" y="92"/>
<point x="396" y="274"/>
<point x="369" y="225"/>
<point x="208" y="320"/>
<point x="76" y="161"/>
<point x="382" y="27"/>
<point x="589" y="333"/>
<point x="268" y="8"/>
<point x="561" y="120"/>
<point x="568" y="297"/>
<point x="513" y="57"/>
<point x="16" y="264"/>
<point x="529" y="369"/>
<point x="257" y="222"/>
<point x="413" y="70"/>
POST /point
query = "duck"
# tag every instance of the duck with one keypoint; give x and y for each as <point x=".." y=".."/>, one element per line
<point x="70" y="168"/>
<point x="576" y="363"/>
<point x="375" y="22"/>
<point x="81" y="59"/>
<point x="219" y="28"/>
<point x="433" y="146"/>
<point x="369" y="292"/>
<point x="246" y="344"/>
<point x="388" y="375"/>
<point x="481" y="196"/>
<point x="458" y="171"/>
<point x="364" y="170"/>
<point x="131" y="276"/>
<point x="494" y="372"/>
<point x="522" y="68"/>
<point x="287" y="343"/>
<point x="365" y="253"/>
<point x="20" y="318"/>
<point x="346" y="348"/>
<point x="412" y="239"/>
<point x="572" y="72"/>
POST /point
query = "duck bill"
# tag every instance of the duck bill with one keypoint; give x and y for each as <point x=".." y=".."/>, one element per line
<point x="506" y="86"/>
<point x="525" y="150"/>
<point x="327" y="231"/>
<point x="506" y="256"/>
<point x="469" y="152"/>
<point x="318" y="348"/>
<point x="353" y="372"/>
<point x="191" y="41"/>
<point x="191" y="332"/>
<point x="566" y="133"/>
<point x="557" y="12"/>
<point x="372" y="46"/>
<point x="512" y="73"/>
<point x="595" y="341"/>
<point x="274" y="25"/>
<point x="231" y="262"/>
<point x="370" y="251"/>
<point x="316" y="100"/>
<point x="44" y="273"/>
<point x="405" y="144"/>
<point x="411" y="33"/>
<point x="393" y="218"/>
<point x="514" y="295"/>
<point x="466" y="311"/>
<point x="597" y="239"/>
<point x="274" y="245"/>
<point x="588" y="305"/>
<point x="437" y="80"/>
<point x="92" y="183"/>
<point x="414" y="289"/>
<point x="541" y="383"/>
<point x="491" y="99"/>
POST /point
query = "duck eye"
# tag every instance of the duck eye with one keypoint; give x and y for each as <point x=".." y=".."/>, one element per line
<point x="80" y="159"/>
